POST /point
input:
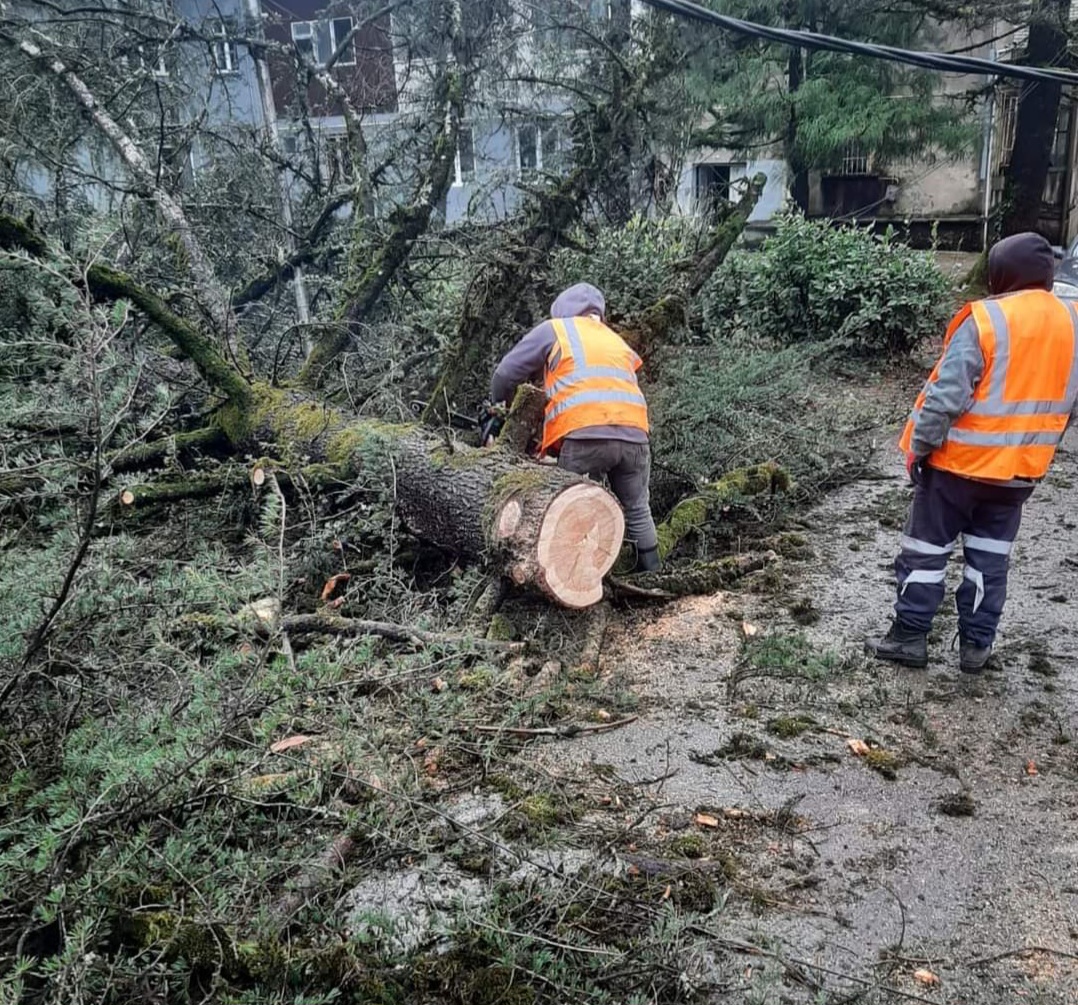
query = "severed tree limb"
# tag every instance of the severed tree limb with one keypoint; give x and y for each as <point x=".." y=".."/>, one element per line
<point x="688" y="580"/>
<point x="591" y="651"/>
<point x="524" y="422"/>
<point x="567" y="731"/>
<point x="724" y="236"/>
<point x="196" y="486"/>
<point x="649" y="330"/>
<point x="209" y="290"/>
<point x="331" y="624"/>
<point x="144" y="455"/>
<point x="693" y="513"/>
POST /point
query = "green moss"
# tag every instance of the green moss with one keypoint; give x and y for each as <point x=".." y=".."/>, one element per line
<point x="501" y="629"/>
<point x="343" y="444"/>
<point x="788" y="726"/>
<point x="791" y="545"/>
<point x="689" y="846"/>
<point x="541" y="810"/>
<point x="884" y="762"/>
<point x="687" y="516"/>
<point x="693" y="513"/>
<point x="200" y="945"/>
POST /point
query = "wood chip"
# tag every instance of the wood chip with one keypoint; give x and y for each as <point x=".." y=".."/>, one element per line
<point x="926" y="977"/>
<point x="705" y="820"/>
<point x="333" y="582"/>
<point x="749" y="630"/>
<point x="289" y="743"/>
<point x="603" y="715"/>
<point x="858" y="747"/>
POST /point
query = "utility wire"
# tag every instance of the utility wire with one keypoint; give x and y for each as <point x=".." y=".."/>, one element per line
<point x="942" y="62"/>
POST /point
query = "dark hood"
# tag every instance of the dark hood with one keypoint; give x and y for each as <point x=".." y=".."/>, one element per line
<point x="579" y="300"/>
<point x="1021" y="262"/>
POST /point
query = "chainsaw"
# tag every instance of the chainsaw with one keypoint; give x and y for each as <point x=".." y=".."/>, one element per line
<point x="488" y="421"/>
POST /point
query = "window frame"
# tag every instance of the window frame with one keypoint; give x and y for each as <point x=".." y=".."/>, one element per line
<point x="545" y="129"/>
<point x="329" y="25"/>
<point x="224" y="45"/>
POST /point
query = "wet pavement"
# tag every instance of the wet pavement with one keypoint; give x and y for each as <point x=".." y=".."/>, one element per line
<point x="948" y="843"/>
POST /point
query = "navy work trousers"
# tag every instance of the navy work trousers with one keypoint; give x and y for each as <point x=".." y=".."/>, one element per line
<point x="986" y="517"/>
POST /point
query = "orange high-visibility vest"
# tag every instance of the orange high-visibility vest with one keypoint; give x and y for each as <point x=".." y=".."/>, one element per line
<point x="590" y="381"/>
<point x="1029" y="386"/>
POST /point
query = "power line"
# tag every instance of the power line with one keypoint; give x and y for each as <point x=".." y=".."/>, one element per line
<point x="942" y="62"/>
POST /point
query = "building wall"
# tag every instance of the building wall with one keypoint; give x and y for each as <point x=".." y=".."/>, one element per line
<point x="772" y="201"/>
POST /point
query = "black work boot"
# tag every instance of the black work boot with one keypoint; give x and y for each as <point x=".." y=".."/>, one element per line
<point x="648" y="561"/>
<point x="905" y="646"/>
<point x="972" y="659"/>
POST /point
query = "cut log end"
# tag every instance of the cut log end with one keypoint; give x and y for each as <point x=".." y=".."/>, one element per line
<point x="127" y="497"/>
<point x="578" y="543"/>
<point x="509" y="518"/>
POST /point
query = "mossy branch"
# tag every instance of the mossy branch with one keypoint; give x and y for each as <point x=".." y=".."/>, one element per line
<point x="693" y="513"/>
<point x="108" y="283"/>
<point x="143" y="455"/>
<point x="692" y="579"/>
<point x="724" y="236"/>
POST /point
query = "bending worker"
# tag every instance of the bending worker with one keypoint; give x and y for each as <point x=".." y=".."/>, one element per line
<point x="596" y="419"/>
<point x="983" y="432"/>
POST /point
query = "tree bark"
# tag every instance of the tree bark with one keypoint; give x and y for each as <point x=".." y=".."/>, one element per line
<point x="1038" y="111"/>
<point x="798" y="172"/>
<point x="617" y="195"/>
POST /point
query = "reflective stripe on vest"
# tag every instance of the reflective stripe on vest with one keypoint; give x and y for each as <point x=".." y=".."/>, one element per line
<point x="590" y="381"/>
<point x="1029" y="387"/>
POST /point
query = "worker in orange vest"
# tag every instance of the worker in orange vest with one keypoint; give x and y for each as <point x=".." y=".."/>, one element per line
<point x="983" y="432"/>
<point x="596" y="419"/>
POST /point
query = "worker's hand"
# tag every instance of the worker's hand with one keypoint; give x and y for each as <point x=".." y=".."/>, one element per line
<point x="914" y="466"/>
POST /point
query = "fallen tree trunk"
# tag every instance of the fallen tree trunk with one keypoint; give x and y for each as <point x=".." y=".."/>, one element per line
<point x="542" y="527"/>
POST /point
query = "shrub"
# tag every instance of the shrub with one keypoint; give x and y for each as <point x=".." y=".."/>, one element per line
<point x="634" y="265"/>
<point x="811" y="282"/>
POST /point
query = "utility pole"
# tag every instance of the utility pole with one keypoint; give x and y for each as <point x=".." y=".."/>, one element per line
<point x="269" y="120"/>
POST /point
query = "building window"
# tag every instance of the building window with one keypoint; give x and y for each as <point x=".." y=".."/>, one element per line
<point x="712" y="183"/>
<point x="854" y="160"/>
<point x="224" y="52"/>
<point x="464" y="165"/>
<point x="317" y="41"/>
<point x="540" y="147"/>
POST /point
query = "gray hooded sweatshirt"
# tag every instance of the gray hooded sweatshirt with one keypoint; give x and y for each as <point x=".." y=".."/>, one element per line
<point x="526" y="361"/>
<point x="1021" y="262"/>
